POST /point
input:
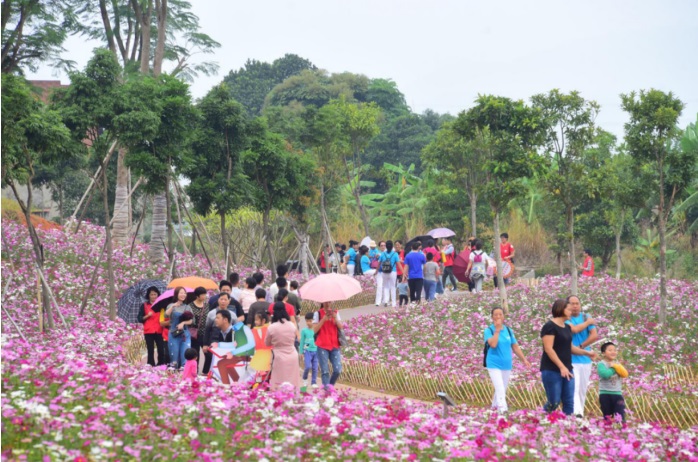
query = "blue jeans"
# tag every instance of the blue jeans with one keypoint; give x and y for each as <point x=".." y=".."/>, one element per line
<point x="326" y="357"/>
<point x="439" y="286"/>
<point x="429" y="289"/>
<point x="177" y="346"/>
<point x="311" y="363"/>
<point x="558" y="390"/>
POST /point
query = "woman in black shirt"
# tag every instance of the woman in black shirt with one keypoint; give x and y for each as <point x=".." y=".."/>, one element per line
<point x="556" y="363"/>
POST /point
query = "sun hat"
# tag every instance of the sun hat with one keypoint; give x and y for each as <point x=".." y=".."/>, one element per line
<point x="372" y="244"/>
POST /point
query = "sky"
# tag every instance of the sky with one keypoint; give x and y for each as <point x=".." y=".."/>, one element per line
<point x="443" y="53"/>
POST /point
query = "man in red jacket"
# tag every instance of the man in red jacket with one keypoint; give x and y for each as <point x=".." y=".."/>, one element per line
<point x="450" y="254"/>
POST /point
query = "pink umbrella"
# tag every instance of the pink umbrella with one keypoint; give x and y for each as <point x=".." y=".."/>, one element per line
<point x="330" y="287"/>
<point x="167" y="298"/>
<point x="441" y="232"/>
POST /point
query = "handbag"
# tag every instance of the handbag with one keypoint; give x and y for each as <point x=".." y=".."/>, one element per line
<point x="341" y="338"/>
<point x="194" y="332"/>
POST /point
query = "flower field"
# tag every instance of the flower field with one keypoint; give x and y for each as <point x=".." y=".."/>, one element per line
<point x="71" y="394"/>
<point x="442" y="341"/>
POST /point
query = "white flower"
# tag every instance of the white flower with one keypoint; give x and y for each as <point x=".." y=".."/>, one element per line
<point x="193" y="434"/>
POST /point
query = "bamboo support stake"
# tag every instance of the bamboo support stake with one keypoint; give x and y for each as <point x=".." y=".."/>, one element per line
<point x="39" y="305"/>
<point x="50" y="294"/>
<point x="94" y="178"/>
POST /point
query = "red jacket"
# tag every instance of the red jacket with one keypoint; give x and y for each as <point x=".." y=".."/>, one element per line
<point x="327" y="335"/>
<point x="152" y="324"/>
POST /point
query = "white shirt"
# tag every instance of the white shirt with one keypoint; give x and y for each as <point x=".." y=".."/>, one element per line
<point x="316" y="317"/>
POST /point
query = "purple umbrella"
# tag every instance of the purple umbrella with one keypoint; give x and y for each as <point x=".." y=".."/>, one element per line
<point x="168" y="297"/>
<point x="438" y="233"/>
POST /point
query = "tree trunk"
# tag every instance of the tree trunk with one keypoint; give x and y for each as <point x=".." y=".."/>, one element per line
<point x="161" y="13"/>
<point x="110" y="270"/>
<point x="304" y="254"/>
<point x="362" y="209"/>
<point x="473" y="213"/>
<point x="193" y="240"/>
<point x="265" y="225"/>
<point x="573" y="259"/>
<point x="559" y="263"/>
<point x="121" y="210"/>
<point x="157" y="234"/>
<point x="662" y="248"/>
<point x="224" y="243"/>
<point x="498" y="259"/>
<point x="325" y="234"/>
<point x="60" y="203"/>
<point x="619" y="231"/>
<point x="168" y="217"/>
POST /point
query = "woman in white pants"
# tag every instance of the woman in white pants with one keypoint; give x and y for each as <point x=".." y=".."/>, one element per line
<point x="388" y="279"/>
<point x="501" y="342"/>
<point x="352" y="257"/>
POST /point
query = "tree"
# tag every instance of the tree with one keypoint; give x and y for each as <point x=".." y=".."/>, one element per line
<point x="31" y="135"/>
<point x="459" y="162"/>
<point x="569" y="121"/>
<point x="687" y="210"/>
<point x="653" y="116"/>
<point x="277" y="175"/>
<point x="251" y="83"/>
<point x="385" y="94"/>
<point x="359" y="125"/>
<point x="506" y="133"/>
<point x="217" y="179"/>
<point x="33" y="32"/>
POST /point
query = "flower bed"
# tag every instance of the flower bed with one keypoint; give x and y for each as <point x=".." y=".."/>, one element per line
<point x="415" y="350"/>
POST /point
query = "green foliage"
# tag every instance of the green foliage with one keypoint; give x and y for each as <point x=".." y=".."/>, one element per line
<point x="385" y="94"/>
<point x="33" y="32"/>
<point x="250" y="84"/>
<point x="215" y="171"/>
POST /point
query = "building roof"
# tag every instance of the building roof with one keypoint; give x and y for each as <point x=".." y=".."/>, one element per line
<point x="45" y="87"/>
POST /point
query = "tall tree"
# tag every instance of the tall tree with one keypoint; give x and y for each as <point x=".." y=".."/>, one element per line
<point x="359" y="123"/>
<point x="31" y="135"/>
<point x="653" y="116"/>
<point x="217" y="179"/>
<point x="569" y="121"/>
<point x="459" y="162"/>
<point x="33" y="32"/>
<point x="506" y="133"/>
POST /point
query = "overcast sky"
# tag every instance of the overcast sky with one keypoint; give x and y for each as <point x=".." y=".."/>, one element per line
<point x="442" y="54"/>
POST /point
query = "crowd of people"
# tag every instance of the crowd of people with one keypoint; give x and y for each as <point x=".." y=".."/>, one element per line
<point x="262" y="325"/>
<point x="566" y="361"/>
<point x="258" y="327"/>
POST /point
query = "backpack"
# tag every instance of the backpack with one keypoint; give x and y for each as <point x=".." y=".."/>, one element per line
<point x="357" y="267"/>
<point x="478" y="257"/>
<point x="487" y="346"/>
<point x="387" y="264"/>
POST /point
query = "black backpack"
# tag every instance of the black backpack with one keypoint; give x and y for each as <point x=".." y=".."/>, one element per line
<point x="357" y="267"/>
<point x="387" y="265"/>
<point x="487" y="346"/>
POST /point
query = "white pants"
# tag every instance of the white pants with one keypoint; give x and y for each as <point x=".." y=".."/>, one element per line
<point x="581" y="374"/>
<point x="370" y="272"/>
<point x="478" y="285"/>
<point x="500" y="380"/>
<point x="389" y="285"/>
<point x="379" y="287"/>
<point x="350" y="270"/>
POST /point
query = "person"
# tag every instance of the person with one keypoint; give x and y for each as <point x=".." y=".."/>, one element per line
<point x="291" y="298"/>
<point x="433" y="249"/>
<point x="260" y="306"/>
<point x="415" y="275"/>
<point x="403" y="289"/>
<point x="294" y="289"/>
<point x="350" y="258"/>
<point x="326" y="324"/>
<point x="365" y="262"/>
<point x="477" y="266"/>
<point x="431" y="275"/>
<point x="165" y="324"/>
<point x="235" y="292"/>
<point x="152" y="330"/>
<point x="388" y="273"/>
<point x="225" y="303"/>
<point x="470" y="247"/>
<point x="556" y="360"/>
<point x="583" y="334"/>
<point x="449" y="256"/>
<point x="191" y="367"/>
<point x="587" y="267"/>
<point x="309" y="351"/>
<point x="241" y="335"/>
<point x="281" y="271"/>
<point x="179" y="338"/>
<point x="611" y="374"/>
<point x="223" y="286"/>
<point x="200" y="310"/>
<point x="281" y="336"/>
<point x="321" y="259"/>
<point x="247" y="295"/>
<point x="258" y="278"/>
<point x="375" y="266"/>
<point x="401" y="258"/>
<point x="501" y="342"/>
<point x="282" y="297"/>
<point x="507" y="251"/>
<point x="261" y="361"/>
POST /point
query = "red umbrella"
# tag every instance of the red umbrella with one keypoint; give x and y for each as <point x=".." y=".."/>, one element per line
<point x="460" y="265"/>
